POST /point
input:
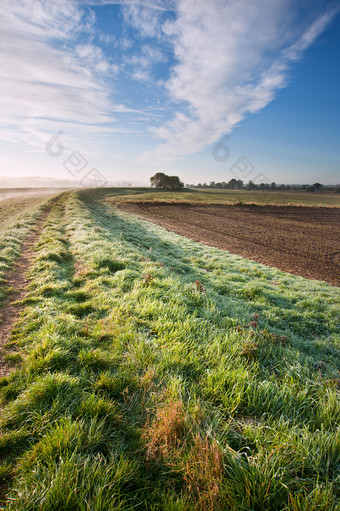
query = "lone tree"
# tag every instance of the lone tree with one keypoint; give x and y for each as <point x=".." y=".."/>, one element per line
<point x="164" y="182"/>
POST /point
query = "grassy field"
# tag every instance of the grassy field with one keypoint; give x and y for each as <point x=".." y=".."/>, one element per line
<point x="155" y="373"/>
<point x="228" y="197"/>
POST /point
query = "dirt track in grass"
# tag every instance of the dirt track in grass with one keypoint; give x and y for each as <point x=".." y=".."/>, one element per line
<point x="18" y="281"/>
<point x="304" y="241"/>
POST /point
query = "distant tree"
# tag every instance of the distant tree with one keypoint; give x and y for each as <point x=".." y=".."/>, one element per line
<point x="164" y="182"/>
<point x="239" y="184"/>
<point x="232" y="183"/>
<point x="174" y="183"/>
<point x="158" y="180"/>
<point x="273" y="185"/>
<point x="337" y="190"/>
<point x="317" y="186"/>
<point x="251" y="185"/>
<point x="310" y="189"/>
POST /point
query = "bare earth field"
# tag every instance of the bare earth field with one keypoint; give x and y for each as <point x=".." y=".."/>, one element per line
<point x="300" y="240"/>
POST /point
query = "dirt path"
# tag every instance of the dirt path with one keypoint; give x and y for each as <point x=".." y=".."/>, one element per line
<point x="299" y="240"/>
<point x="17" y="279"/>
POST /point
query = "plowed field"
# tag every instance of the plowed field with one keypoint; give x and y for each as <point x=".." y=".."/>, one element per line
<point x="300" y="240"/>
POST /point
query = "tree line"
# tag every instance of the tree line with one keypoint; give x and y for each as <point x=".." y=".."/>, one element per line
<point x="164" y="182"/>
<point x="238" y="184"/>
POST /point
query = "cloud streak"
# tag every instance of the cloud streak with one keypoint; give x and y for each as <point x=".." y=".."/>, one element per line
<point x="232" y="58"/>
<point x="156" y="5"/>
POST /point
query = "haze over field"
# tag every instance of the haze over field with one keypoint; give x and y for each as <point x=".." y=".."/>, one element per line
<point x="134" y="87"/>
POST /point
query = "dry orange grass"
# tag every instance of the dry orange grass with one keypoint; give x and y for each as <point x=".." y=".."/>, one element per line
<point x="164" y="435"/>
<point x="199" y="461"/>
<point x="203" y="472"/>
<point x="81" y="271"/>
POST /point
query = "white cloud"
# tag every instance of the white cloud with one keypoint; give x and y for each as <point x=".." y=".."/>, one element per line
<point x="233" y="56"/>
<point x="140" y="64"/>
<point x="156" y="5"/>
<point x="139" y="17"/>
<point x="124" y="43"/>
<point x="107" y="38"/>
<point x="94" y="57"/>
<point x="230" y="59"/>
<point x="46" y="77"/>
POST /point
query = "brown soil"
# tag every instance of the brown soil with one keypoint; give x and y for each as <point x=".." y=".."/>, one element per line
<point x="17" y="280"/>
<point x="300" y="240"/>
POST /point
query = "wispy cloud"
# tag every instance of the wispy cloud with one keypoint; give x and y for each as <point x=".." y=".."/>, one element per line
<point x="53" y="75"/>
<point x="232" y="58"/>
<point x="146" y="18"/>
<point x="192" y="68"/>
<point x="156" y="5"/>
<point x="140" y="64"/>
<point x="44" y="73"/>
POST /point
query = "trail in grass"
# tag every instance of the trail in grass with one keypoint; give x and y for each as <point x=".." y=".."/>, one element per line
<point x="17" y="280"/>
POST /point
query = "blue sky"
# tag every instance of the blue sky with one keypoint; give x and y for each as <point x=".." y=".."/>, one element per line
<point x="131" y="88"/>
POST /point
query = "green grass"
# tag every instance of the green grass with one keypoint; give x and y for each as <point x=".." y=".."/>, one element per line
<point x="328" y="199"/>
<point x="146" y="381"/>
<point x="17" y="217"/>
